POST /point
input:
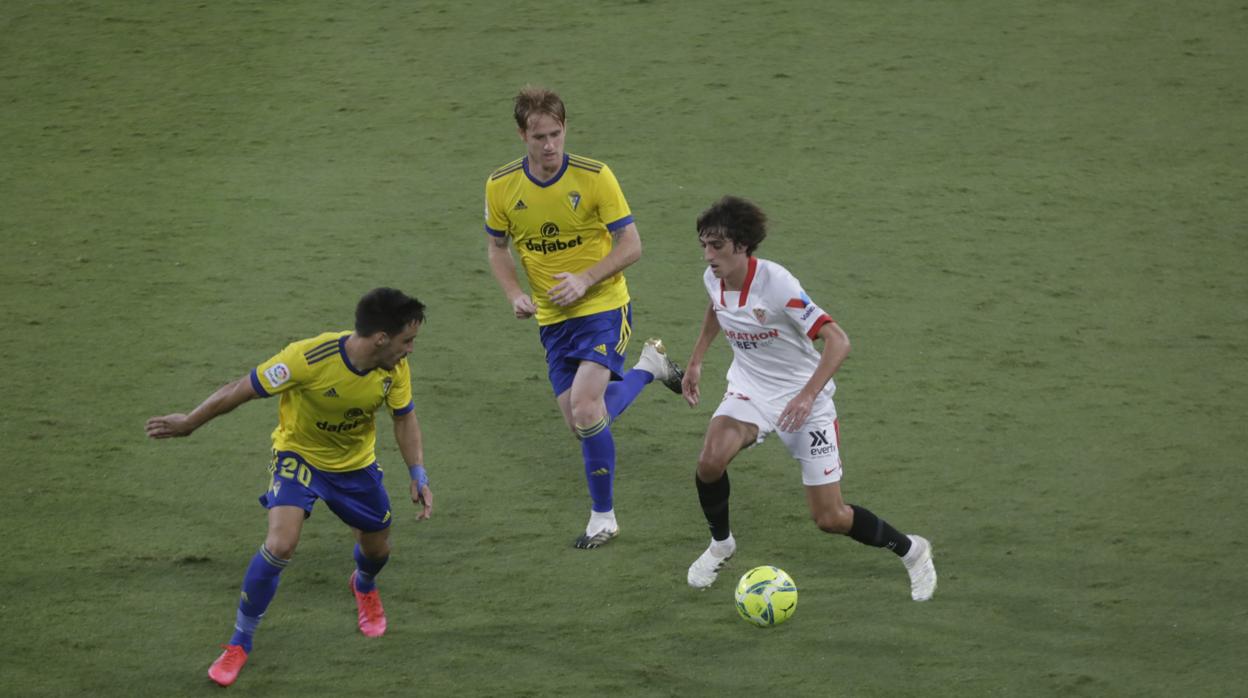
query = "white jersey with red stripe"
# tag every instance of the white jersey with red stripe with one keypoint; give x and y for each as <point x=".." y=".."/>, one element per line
<point x="771" y="324"/>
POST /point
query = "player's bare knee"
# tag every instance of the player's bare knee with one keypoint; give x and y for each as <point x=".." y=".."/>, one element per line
<point x="587" y="414"/>
<point x="711" y="466"/>
<point x="834" y="520"/>
<point x="588" y="418"/>
<point x="281" y="548"/>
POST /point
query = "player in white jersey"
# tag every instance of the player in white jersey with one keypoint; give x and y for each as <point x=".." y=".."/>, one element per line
<point x="778" y="382"/>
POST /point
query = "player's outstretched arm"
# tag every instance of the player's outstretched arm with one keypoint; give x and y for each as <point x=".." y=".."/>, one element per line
<point x="411" y="446"/>
<point x="693" y="369"/>
<point x="226" y="398"/>
<point x="503" y="266"/>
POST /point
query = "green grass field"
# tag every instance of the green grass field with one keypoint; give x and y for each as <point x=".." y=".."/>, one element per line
<point x="1030" y="217"/>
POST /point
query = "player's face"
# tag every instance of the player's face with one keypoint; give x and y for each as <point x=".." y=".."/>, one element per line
<point x="544" y="141"/>
<point x="725" y="258"/>
<point x="395" y="348"/>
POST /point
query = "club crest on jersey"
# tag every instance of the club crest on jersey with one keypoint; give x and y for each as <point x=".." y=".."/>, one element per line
<point x="760" y="315"/>
<point x="575" y="199"/>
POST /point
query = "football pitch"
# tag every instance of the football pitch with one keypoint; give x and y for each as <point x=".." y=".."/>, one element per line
<point x="1030" y="217"/>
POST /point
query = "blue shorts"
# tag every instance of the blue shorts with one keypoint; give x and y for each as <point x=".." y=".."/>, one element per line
<point x="357" y="496"/>
<point x="601" y="338"/>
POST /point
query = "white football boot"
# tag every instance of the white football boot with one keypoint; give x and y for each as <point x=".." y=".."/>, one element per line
<point x="654" y="360"/>
<point x="919" y="565"/>
<point x="705" y="569"/>
<point x="601" y="528"/>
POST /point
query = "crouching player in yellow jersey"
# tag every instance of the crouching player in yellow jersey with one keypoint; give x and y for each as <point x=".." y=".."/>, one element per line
<point x="323" y="448"/>
<point x="568" y="221"/>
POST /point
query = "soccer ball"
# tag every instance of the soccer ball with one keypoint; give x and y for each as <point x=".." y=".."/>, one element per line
<point x="766" y="596"/>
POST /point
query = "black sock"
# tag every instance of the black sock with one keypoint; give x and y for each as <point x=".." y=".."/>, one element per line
<point x="869" y="529"/>
<point x="713" y="496"/>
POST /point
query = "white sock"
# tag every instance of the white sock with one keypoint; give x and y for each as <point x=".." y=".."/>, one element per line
<point x="598" y="520"/>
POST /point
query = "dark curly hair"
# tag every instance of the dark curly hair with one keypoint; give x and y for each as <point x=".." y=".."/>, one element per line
<point x="736" y="220"/>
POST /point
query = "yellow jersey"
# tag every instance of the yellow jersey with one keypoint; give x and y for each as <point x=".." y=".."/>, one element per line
<point x="560" y="225"/>
<point x="327" y="408"/>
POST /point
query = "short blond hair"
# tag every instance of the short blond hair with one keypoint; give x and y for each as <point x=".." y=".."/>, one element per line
<point x="534" y="101"/>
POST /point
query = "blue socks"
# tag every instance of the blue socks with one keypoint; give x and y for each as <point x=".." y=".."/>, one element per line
<point x="621" y="393"/>
<point x="259" y="588"/>
<point x="598" y="449"/>
<point x="597" y="444"/>
<point x="366" y="570"/>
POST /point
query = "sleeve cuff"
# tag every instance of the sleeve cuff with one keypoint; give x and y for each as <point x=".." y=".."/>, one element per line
<point x="814" y="329"/>
<point x="404" y="410"/>
<point x="257" y="386"/>
<point x="612" y="227"/>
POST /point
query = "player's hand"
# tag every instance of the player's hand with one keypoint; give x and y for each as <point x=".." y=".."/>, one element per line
<point x="689" y="384"/>
<point x="795" y="413"/>
<point x="168" y="426"/>
<point x="524" y="307"/>
<point x="570" y="289"/>
<point x="423" y="498"/>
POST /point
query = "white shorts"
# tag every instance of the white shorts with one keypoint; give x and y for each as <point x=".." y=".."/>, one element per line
<point x="816" y="445"/>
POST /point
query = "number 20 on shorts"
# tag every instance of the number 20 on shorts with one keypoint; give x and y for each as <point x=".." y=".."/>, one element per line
<point x="291" y="469"/>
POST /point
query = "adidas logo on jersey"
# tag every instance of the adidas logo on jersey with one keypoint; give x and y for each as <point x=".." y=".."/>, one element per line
<point x="520" y="206"/>
<point x="601" y="349"/>
<point x="330" y="393"/>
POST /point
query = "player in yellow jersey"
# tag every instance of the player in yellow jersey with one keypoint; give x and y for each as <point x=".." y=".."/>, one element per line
<point x="568" y="221"/>
<point x="331" y="386"/>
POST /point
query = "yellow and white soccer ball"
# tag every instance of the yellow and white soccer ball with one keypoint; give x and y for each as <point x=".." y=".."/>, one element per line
<point x="766" y="596"/>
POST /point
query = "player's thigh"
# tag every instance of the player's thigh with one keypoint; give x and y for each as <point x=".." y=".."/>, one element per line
<point x="828" y="509"/>
<point x="816" y="446"/>
<point x="600" y="338"/>
<point x="586" y="395"/>
<point x="564" y="400"/>
<point x="358" y="498"/>
<point x="737" y="424"/>
<point x="725" y="438"/>
<point x="285" y="526"/>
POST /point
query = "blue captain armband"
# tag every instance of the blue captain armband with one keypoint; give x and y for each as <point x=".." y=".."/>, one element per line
<point x="419" y="476"/>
